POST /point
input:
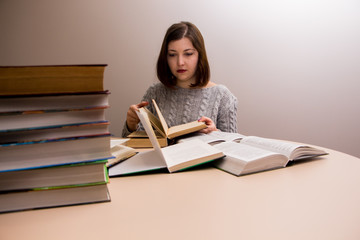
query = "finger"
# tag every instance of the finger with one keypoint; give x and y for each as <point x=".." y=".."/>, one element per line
<point x="142" y="104"/>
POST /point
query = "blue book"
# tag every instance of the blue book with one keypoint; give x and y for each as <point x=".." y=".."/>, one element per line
<point x="36" y="154"/>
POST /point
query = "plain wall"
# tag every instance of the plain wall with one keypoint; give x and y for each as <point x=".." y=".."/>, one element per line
<point x="293" y="65"/>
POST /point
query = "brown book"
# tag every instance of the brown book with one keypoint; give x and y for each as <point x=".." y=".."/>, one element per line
<point x="139" y="139"/>
<point x="15" y="80"/>
<point x="175" y="131"/>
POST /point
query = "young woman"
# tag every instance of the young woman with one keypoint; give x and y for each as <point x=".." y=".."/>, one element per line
<point x="185" y="92"/>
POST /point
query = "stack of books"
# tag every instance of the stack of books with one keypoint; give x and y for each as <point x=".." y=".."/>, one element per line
<point x="54" y="138"/>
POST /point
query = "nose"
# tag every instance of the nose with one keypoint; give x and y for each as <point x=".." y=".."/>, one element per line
<point x="180" y="60"/>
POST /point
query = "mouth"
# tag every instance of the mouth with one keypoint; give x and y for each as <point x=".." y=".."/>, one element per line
<point x="181" y="70"/>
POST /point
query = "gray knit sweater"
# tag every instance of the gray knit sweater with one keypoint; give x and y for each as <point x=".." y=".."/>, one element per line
<point x="182" y="105"/>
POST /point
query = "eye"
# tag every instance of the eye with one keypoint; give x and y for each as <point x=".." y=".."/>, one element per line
<point x="171" y="55"/>
<point x="189" y="53"/>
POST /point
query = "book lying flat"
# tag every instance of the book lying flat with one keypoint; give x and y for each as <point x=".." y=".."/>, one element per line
<point x="139" y="139"/>
<point x="171" y="132"/>
<point x="173" y="158"/>
<point x="57" y="197"/>
<point x="32" y="119"/>
<point x="255" y="154"/>
<point x="54" y="177"/>
<point x="54" y="132"/>
<point x="20" y="156"/>
<point x="51" y="79"/>
<point x="63" y="101"/>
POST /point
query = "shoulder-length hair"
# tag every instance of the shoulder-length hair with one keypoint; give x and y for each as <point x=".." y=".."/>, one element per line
<point x="175" y="32"/>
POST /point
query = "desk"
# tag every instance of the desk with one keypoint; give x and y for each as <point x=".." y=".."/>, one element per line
<point x="316" y="199"/>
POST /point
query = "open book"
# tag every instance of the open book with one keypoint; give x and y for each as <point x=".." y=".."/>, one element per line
<point x="139" y="139"/>
<point x="175" y="157"/>
<point x="160" y="125"/>
<point x="119" y="151"/>
<point x="249" y="154"/>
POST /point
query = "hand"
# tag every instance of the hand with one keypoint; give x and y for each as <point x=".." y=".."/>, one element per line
<point x="132" y="119"/>
<point x="210" y="125"/>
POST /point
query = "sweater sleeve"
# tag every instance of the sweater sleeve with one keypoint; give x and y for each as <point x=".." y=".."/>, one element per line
<point x="227" y="116"/>
<point x="148" y="96"/>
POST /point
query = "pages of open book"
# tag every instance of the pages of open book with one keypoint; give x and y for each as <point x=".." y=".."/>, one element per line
<point x="143" y="161"/>
<point x="150" y="132"/>
<point x="161" y="118"/>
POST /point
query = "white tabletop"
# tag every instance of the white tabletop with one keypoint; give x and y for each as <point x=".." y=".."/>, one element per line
<point x="314" y="199"/>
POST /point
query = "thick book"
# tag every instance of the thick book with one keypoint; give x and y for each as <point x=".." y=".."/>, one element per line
<point x="174" y="158"/>
<point x="139" y="139"/>
<point x="20" y="156"/>
<point x="57" y="197"/>
<point x="61" y="101"/>
<point x="254" y="154"/>
<point x="32" y="119"/>
<point x="54" y="177"/>
<point x="16" y="80"/>
<point x="171" y="132"/>
<point x="54" y="132"/>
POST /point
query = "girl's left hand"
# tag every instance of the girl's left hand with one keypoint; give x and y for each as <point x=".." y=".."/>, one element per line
<point x="210" y="125"/>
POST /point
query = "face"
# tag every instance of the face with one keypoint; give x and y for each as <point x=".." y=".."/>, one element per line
<point x="182" y="59"/>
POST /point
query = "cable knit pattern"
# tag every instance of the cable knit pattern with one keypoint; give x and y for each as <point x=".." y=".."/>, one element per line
<point x="182" y="105"/>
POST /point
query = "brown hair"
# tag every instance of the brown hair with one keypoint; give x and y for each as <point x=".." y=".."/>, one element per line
<point x="178" y="31"/>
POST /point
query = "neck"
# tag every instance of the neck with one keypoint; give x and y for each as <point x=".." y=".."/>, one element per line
<point x="185" y="84"/>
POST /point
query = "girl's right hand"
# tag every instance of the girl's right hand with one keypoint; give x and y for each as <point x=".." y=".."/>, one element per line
<point x="132" y="119"/>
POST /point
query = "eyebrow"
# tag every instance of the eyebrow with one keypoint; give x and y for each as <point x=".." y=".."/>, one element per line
<point x="188" y="49"/>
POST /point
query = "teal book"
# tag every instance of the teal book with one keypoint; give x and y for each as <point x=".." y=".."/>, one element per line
<point x="79" y="174"/>
<point x="36" y="154"/>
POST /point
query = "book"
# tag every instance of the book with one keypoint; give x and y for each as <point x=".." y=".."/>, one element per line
<point x="46" y="198"/>
<point x="213" y="137"/>
<point x="172" y="132"/>
<point x="15" y="80"/>
<point x="254" y="154"/>
<point x="54" y="132"/>
<point x="32" y="119"/>
<point x="20" y="156"/>
<point x="54" y="177"/>
<point x="54" y="139"/>
<point x="174" y="158"/>
<point x="61" y="101"/>
<point x="119" y="152"/>
<point x="139" y="139"/>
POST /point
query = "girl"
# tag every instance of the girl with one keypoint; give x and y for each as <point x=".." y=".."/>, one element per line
<point x="185" y="92"/>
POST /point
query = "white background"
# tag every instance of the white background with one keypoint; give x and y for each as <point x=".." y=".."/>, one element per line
<point x="293" y="65"/>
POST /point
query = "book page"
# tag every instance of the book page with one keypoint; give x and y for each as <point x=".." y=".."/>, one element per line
<point x="243" y="152"/>
<point x="156" y="123"/>
<point x="189" y="151"/>
<point x="185" y="128"/>
<point x="275" y="145"/>
<point x="120" y="152"/>
<point x="161" y="118"/>
<point x="150" y="132"/>
<point x="214" y="137"/>
<point x="141" y="162"/>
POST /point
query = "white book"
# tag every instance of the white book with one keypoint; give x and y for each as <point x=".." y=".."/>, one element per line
<point x="255" y="154"/>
